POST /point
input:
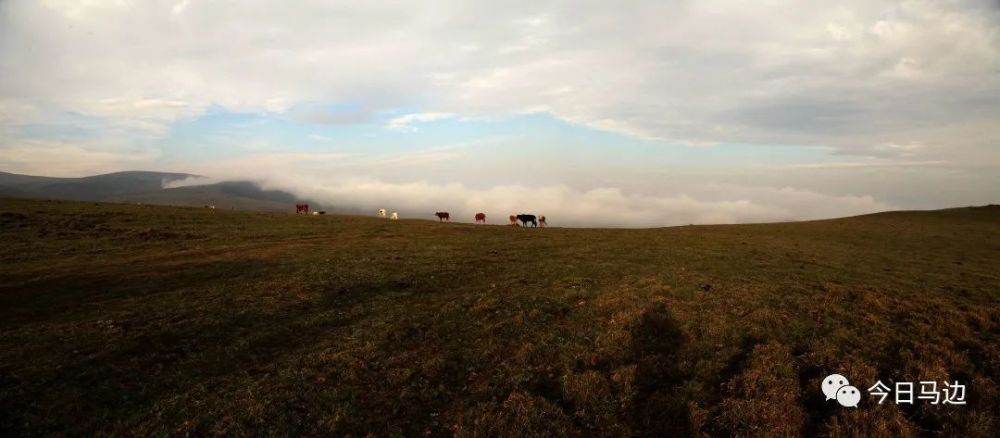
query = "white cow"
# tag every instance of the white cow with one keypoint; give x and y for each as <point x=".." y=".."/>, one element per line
<point x="381" y="212"/>
<point x="395" y="216"/>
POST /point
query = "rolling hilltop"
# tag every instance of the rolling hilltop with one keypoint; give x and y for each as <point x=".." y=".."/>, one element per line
<point x="149" y="188"/>
<point x="89" y="188"/>
<point x="147" y="320"/>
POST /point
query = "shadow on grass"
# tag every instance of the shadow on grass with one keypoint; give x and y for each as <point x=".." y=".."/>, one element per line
<point x="47" y="298"/>
<point x="659" y="407"/>
<point x="133" y="373"/>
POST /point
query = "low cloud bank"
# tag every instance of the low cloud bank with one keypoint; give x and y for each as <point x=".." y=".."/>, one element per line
<point x="192" y="180"/>
<point x="567" y="206"/>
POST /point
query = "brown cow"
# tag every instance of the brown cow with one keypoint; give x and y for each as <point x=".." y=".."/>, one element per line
<point x="480" y="217"/>
<point x="443" y="216"/>
<point x="302" y="208"/>
<point x="513" y="220"/>
<point x="541" y="221"/>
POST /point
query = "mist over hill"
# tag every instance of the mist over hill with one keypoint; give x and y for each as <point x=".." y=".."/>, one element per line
<point x="89" y="188"/>
<point x="238" y="195"/>
<point x="562" y="205"/>
<point x="164" y="188"/>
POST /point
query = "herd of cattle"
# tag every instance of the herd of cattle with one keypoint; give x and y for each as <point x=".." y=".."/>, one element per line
<point x="524" y="219"/>
<point x="442" y="216"/>
<point x="304" y="209"/>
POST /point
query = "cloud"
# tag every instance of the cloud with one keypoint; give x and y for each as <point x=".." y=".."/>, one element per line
<point x="406" y="122"/>
<point x="343" y="115"/>
<point x="193" y="180"/>
<point x="367" y="183"/>
<point x="566" y="206"/>
<point x="55" y="157"/>
<point x="868" y="163"/>
<point x="907" y="87"/>
<point x="852" y="75"/>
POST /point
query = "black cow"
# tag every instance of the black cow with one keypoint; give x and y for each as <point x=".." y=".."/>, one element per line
<point x="525" y="218"/>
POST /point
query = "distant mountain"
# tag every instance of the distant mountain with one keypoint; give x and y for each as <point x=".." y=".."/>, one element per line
<point x="90" y="188"/>
<point x="239" y="195"/>
<point x="148" y="187"/>
<point x="13" y="179"/>
<point x="14" y="192"/>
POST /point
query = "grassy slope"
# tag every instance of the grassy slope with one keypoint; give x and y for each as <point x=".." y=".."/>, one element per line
<point x="142" y="319"/>
<point x="228" y="196"/>
<point x="86" y="188"/>
<point x="147" y="188"/>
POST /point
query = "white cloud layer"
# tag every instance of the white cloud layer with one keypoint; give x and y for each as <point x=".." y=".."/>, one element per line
<point x="189" y="181"/>
<point x="566" y="206"/>
<point x="405" y="123"/>
<point x="853" y="74"/>
<point x="690" y="201"/>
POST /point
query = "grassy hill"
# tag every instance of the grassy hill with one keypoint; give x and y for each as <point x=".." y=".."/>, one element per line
<point x="239" y="195"/>
<point x="89" y="188"/>
<point x="144" y="320"/>
<point x="148" y="188"/>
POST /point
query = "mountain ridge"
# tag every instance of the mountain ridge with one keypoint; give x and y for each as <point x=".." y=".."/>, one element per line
<point x="149" y="187"/>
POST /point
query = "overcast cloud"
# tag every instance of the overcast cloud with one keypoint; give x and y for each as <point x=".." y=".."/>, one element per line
<point x="898" y="95"/>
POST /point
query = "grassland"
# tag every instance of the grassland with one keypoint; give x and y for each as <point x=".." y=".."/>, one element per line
<point x="141" y="320"/>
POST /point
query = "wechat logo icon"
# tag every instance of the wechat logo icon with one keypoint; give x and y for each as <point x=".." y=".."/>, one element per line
<point x="836" y="387"/>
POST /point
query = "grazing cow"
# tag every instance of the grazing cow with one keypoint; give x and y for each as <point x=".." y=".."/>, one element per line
<point x="513" y="220"/>
<point x="525" y="218"/>
<point x="321" y="212"/>
<point x="443" y="216"/>
<point x="302" y="208"/>
<point x="381" y="212"/>
<point x="480" y="217"/>
<point x="541" y="222"/>
<point x="395" y="216"/>
<point x="315" y="213"/>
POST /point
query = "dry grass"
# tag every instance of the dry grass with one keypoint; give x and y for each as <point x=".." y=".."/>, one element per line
<point x="138" y="320"/>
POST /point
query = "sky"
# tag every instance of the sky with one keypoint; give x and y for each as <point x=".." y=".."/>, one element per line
<point x="593" y="113"/>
